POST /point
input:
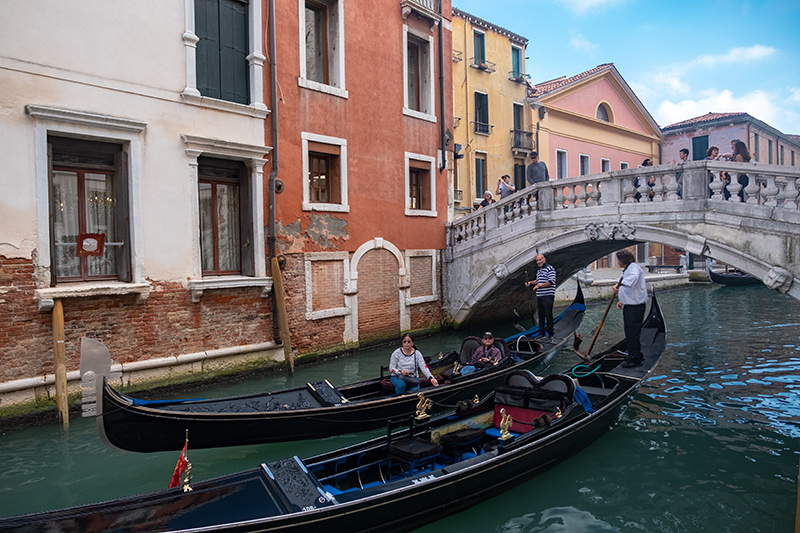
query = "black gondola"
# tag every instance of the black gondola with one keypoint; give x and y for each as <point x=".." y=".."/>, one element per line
<point x="412" y="476"/>
<point x="314" y="411"/>
<point x="734" y="278"/>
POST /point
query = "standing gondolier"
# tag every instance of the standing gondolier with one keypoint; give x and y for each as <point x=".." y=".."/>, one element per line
<point x="632" y="299"/>
<point x="545" y="287"/>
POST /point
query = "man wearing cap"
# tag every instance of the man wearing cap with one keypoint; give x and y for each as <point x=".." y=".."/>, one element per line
<point x="487" y="353"/>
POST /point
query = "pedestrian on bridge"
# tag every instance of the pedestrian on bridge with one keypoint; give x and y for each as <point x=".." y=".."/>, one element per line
<point x="632" y="299"/>
<point x="545" y="287"/>
<point x="536" y="171"/>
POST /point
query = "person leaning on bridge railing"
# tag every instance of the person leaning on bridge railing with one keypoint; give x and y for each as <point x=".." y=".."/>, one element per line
<point x="650" y="181"/>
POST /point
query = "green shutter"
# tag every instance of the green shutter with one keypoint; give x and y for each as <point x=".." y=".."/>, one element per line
<point x="233" y="51"/>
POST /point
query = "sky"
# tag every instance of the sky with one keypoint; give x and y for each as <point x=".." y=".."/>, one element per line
<point x="682" y="58"/>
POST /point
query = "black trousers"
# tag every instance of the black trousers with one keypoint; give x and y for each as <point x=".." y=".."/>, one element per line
<point x="633" y="316"/>
<point x="545" y="304"/>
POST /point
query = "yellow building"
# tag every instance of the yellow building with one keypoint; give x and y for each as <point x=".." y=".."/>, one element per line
<point x="492" y="127"/>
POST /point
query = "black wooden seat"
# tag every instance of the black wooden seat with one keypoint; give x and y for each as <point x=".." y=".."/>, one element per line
<point x="459" y="442"/>
<point x="413" y="453"/>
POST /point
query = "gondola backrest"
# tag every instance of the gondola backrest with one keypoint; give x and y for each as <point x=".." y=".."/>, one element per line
<point x="470" y="344"/>
<point x="525" y="398"/>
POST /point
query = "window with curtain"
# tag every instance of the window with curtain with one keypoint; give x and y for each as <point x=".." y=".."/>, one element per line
<point x="222" y="189"/>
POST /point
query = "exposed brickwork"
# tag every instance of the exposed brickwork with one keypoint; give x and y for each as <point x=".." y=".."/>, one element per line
<point x="421" y="269"/>
<point x="167" y="324"/>
<point x="378" y="303"/>
<point x="425" y="316"/>
<point x="327" y="284"/>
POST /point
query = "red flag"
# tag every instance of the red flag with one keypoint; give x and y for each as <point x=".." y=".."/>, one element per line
<point x="179" y="467"/>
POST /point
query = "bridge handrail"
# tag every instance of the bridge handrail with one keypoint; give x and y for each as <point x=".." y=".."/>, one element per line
<point x="771" y="186"/>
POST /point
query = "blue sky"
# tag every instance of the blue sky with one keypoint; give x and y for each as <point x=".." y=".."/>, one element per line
<point x="682" y="58"/>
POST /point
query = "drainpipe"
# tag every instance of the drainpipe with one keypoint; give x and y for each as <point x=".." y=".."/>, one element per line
<point x="271" y="232"/>
<point x="441" y="86"/>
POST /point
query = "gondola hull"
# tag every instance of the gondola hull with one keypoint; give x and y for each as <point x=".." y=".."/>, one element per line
<point x="293" y="414"/>
<point x="312" y="495"/>
<point x="733" y="279"/>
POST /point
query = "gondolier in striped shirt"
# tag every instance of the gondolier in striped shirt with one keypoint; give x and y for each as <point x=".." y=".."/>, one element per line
<point x="545" y="287"/>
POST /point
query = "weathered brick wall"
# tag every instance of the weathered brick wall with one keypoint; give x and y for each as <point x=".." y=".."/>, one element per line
<point x="427" y="315"/>
<point x="378" y="301"/>
<point x="420" y="269"/>
<point x="327" y="285"/>
<point x="167" y="324"/>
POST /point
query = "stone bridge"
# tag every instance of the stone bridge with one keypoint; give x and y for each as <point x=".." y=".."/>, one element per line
<point x="754" y="227"/>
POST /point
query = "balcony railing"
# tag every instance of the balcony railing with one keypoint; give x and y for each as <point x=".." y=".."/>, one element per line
<point x="458" y="195"/>
<point x="482" y="64"/>
<point x="426" y="8"/>
<point x="518" y="77"/>
<point x="457" y="56"/>
<point x="483" y="127"/>
<point x="521" y="140"/>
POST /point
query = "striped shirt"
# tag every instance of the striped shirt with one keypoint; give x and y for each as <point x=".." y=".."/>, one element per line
<point x="546" y="273"/>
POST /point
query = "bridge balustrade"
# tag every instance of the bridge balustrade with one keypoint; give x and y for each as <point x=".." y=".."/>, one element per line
<point x="770" y="186"/>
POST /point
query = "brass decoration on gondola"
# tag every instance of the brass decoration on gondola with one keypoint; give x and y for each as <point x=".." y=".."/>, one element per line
<point x="557" y="414"/>
<point x="441" y="356"/>
<point x="187" y="478"/>
<point x="476" y="400"/>
<point x="505" y="423"/>
<point x="423" y="405"/>
<point x="457" y="368"/>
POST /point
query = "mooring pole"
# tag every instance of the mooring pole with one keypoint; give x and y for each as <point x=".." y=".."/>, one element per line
<point x="280" y="303"/>
<point x="60" y="363"/>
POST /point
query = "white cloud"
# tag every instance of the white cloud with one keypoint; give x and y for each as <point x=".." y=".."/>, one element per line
<point x="583" y="6"/>
<point x="581" y="43"/>
<point x="762" y="105"/>
<point x="740" y="55"/>
<point x="794" y="94"/>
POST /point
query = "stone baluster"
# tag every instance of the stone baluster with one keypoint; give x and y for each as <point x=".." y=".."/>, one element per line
<point x="751" y="191"/>
<point x="560" y="198"/>
<point x="571" y="196"/>
<point x="717" y="185"/>
<point x="517" y="208"/>
<point x="770" y="192"/>
<point x="790" y="194"/>
<point x="658" y="189"/>
<point x="582" y="196"/>
<point x="672" y="187"/>
<point x="643" y="189"/>
<point x="733" y="188"/>
<point x="533" y="203"/>
<point x="629" y="191"/>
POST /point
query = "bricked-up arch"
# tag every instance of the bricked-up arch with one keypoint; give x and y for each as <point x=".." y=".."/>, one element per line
<point x="378" y="279"/>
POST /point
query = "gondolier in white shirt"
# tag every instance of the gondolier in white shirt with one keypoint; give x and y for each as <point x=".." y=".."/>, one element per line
<point x="632" y="294"/>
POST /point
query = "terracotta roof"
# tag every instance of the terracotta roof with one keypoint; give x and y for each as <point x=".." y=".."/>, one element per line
<point x="708" y="117"/>
<point x="540" y="89"/>
<point x="477" y="21"/>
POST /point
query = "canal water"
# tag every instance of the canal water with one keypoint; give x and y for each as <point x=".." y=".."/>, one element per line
<point x="710" y="443"/>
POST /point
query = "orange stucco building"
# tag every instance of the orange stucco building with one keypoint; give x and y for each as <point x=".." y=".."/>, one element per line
<point x="360" y="139"/>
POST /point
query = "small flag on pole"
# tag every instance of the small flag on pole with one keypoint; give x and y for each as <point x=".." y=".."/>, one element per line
<point x="183" y="462"/>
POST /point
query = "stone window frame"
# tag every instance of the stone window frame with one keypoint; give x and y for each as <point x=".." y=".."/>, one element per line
<point x="336" y="83"/>
<point x="434" y="296"/>
<point x="310" y="257"/>
<point x="426" y="73"/>
<point x="308" y="205"/>
<point x="430" y="160"/>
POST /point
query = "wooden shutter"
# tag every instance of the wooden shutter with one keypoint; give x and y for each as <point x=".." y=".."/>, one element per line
<point x="206" y="20"/>
<point x="122" y="216"/>
<point x="233" y="36"/>
<point x="246" y="230"/>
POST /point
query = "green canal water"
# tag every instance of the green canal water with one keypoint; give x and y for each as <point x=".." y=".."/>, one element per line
<point x="710" y="443"/>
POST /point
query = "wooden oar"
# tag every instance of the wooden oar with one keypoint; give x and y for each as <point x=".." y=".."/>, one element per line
<point x="578" y="338"/>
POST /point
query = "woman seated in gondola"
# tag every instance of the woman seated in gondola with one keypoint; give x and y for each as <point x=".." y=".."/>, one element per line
<point x="405" y="365"/>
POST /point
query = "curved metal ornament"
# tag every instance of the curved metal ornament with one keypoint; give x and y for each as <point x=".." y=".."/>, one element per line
<point x="422" y="406"/>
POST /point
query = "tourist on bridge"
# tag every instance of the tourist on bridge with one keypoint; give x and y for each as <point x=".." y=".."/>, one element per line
<point x="505" y="187"/>
<point x="632" y="299"/>
<point x="545" y="287"/>
<point x="405" y="365"/>
<point x="536" y="171"/>
<point x="487" y="200"/>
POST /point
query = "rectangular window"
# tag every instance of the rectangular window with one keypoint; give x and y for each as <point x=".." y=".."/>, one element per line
<point x="584" y="165"/>
<point x="420" y="185"/>
<point x="605" y="165"/>
<point x="519" y="174"/>
<point x="419" y="96"/>
<point x="519" y="119"/>
<point x="516" y="62"/>
<point x="561" y="164"/>
<point x="782" y="155"/>
<point x="480" y="175"/>
<point x="792" y="157"/>
<point x="479" y="48"/>
<point x="769" y="148"/>
<point x="222" y="49"/>
<point x="325" y="171"/>
<point x="88" y="191"/>
<point x="317" y="42"/>
<point x="623" y="165"/>
<point x="756" y="147"/>
<point x="699" y="147"/>
<point x="482" y="113"/>
<point x="224" y="216"/>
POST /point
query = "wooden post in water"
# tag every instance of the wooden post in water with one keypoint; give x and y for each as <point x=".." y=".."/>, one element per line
<point x="280" y="303"/>
<point x="60" y="363"/>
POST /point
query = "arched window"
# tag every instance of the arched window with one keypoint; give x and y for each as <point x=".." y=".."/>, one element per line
<point x="602" y="113"/>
